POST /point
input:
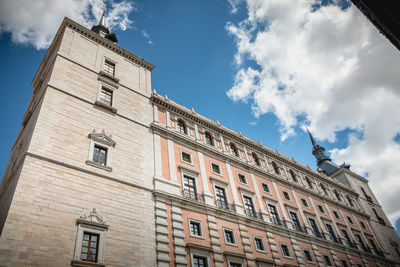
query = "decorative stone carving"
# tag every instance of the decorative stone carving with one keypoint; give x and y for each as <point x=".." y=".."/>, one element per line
<point x="102" y="138"/>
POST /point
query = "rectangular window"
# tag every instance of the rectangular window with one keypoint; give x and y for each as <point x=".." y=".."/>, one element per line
<point x="327" y="260"/>
<point x="195" y="228"/>
<point x="89" y="247"/>
<point x="199" y="261"/>
<point x="259" y="244"/>
<point x="215" y="168"/>
<point x="305" y="204"/>
<point x="265" y="188"/>
<point x="100" y="155"/>
<point x="109" y="68"/>
<point x="308" y="256"/>
<point x="344" y="263"/>
<point x="346" y="236"/>
<point x="285" y="251"/>
<point x="363" y="225"/>
<point x="220" y="197"/>
<point x="286" y="195"/>
<point x="321" y="209"/>
<point x="106" y="96"/>
<point x="331" y="232"/>
<point x="295" y="221"/>
<point x="229" y="237"/>
<point x="274" y="214"/>
<point x="336" y="214"/>
<point x="249" y="207"/>
<point x="235" y="264"/>
<point x="189" y="187"/>
<point x="242" y="178"/>
<point x="186" y="157"/>
<point x="350" y="220"/>
<point x="314" y="227"/>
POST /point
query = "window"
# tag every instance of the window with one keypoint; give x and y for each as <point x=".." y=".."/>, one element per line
<point x="337" y="195"/>
<point x="331" y="232"/>
<point x="186" y="157"/>
<point x="109" y="67"/>
<point x="100" y="155"/>
<point x="309" y="183"/>
<point x="215" y="168"/>
<point x="234" y="150"/>
<point x="106" y="96"/>
<point x="308" y="255"/>
<point x="336" y="214"/>
<point x="324" y="189"/>
<point x="229" y="237"/>
<point x="256" y="159"/>
<point x="200" y="261"/>
<point x="189" y="187"/>
<point x="314" y="227"/>
<point x="286" y="195"/>
<point x="276" y="169"/>
<point x="285" y="251"/>
<point x="295" y="220"/>
<point x="220" y="197"/>
<point x="195" y="228"/>
<point x="265" y="188"/>
<point x="249" y="207"/>
<point x="373" y="245"/>
<point x="305" y="204"/>
<point x="259" y="244"/>
<point x="209" y="139"/>
<point x="321" y="209"/>
<point x="328" y="261"/>
<point x="350" y="200"/>
<point x="235" y="264"/>
<point x="181" y="127"/>
<point x="274" y="214"/>
<point x="89" y="248"/>
<point x="346" y="236"/>
<point x="350" y="220"/>
<point x="360" y="240"/>
<point x="359" y="265"/>
<point x="293" y="176"/>
<point x="363" y="225"/>
<point x="344" y="263"/>
<point x="242" y="178"/>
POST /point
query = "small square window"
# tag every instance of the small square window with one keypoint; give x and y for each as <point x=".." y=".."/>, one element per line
<point x="328" y="261"/>
<point x="215" y="168"/>
<point x="242" y="178"/>
<point x="308" y="256"/>
<point x="100" y="155"/>
<point x="363" y="225"/>
<point x="350" y="220"/>
<point x="321" y="209"/>
<point x="259" y="244"/>
<point x="265" y="188"/>
<point x="336" y="215"/>
<point x="186" y="157"/>
<point x="195" y="229"/>
<point x="305" y="204"/>
<point x="286" y="195"/>
<point x="285" y="251"/>
<point x="109" y="67"/>
<point x="229" y="237"/>
<point x="106" y="96"/>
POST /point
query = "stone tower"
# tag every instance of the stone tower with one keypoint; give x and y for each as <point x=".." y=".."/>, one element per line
<point x="81" y="170"/>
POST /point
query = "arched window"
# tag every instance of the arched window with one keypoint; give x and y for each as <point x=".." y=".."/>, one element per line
<point x="182" y="127"/>
<point x="309" y="183"/>
<point x="350" y="200"/>
<point x="209" y="139"/>
<point x="256" y="159"/>
<point x="234" y="150"/>
<point x="293" y="175"/>
<point x="337" y="195"/>
<point x="324" y="189"/>
<point x="276" y="169"/>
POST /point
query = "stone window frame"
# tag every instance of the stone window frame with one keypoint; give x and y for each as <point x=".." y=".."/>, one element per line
<point x="191" y="174"/>
<point x="288" y="249"/>
<point x="219" y="167"/>
<point x="201" y="252"/>
<point x="321" y="209"/>
<point x="187" y="152"/>
<point x="326" y="262"/>
<point x="304" y="202"/>
<point x="274" y="203"/>
<point x="345" y="262"/>
<point x="116" y="68"/>
<point x="91" y="223"/>
<point x="113" y="89"/>
<point x="336" y="214"/>
<point x="350" y="220"/>
<point x="284" y="197"/>
<point x="102" y="140"/>
<point x="211" y="139"/>
<point x="190" y="220"/>
<point x="305" y="257"/>
<point x="222" y="184"/>
<point x="263" y="244"/>
<point x="363" y="225"/>
<point x="245" y="178"/>
<point x="184" y="127"/>
<point x="269" y="189"/>
<point x="224" y="229"/>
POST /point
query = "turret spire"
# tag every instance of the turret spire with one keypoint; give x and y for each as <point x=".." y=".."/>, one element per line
<point x="102" y="21"/>
<point x="102" y="29"/>
<point x="314" y="143"/>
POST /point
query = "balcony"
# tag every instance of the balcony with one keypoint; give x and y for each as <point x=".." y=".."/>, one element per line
<point x="192" y="195"/>
<point x="298" y="227"/>
<point x="253" y="214"/>
<point x="318" y="234"/>
<point x="278" y="221"/>
<point x="225" y="206"/>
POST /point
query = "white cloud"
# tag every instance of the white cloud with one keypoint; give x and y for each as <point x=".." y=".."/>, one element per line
<point x="147" y="37"/>
<point x="35" y="22"/>
<point x="332" y="68"/>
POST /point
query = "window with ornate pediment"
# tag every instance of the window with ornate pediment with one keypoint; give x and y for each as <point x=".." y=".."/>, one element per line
<point x="181" y="127"/>
<point x="90" y="240"/>
<point x="256" y="159"/>
<point x="208" y="139"/>
<point x="100" y="149"/>
<point x="293" y="176"/>
<point x="234" y="150"/>
<point x="276" y="169"/>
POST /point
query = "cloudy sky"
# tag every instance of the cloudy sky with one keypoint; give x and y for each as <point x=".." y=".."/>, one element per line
<point x="266" y="68"/>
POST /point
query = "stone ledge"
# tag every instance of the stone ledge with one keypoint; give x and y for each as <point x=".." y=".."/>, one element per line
<point x="86" y="263"/>
<point x="104" y="105"/>
<point x="91" y="163"/>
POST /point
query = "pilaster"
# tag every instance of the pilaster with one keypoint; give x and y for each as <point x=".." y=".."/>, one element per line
<point x="297" y="252"/>
<point x="162" y="241"/>
<point x="215" y="242"/>
<point x="178" y="235"/>
<point x="246" y="245"/>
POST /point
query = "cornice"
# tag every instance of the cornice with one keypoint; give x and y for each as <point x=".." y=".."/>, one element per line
<point x="93" y="37"/>
<point x="164" y="131"/>
<point x="216" y="126"/>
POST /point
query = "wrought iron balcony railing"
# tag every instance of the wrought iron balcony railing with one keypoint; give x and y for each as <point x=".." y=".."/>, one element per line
<point x="253" y="214"/>
<point x="193" y="195"/>
<point x="298" y="227"/>
<point x="225" y="205"/>
<point x="278" y="221"/>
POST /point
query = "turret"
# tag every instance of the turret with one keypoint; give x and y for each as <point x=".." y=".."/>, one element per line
<point x="103" y="31"/>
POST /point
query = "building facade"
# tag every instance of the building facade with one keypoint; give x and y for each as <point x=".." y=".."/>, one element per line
<point x="107" y="172"/>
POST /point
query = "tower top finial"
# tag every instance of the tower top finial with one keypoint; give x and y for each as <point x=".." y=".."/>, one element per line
<point x="102" y="29"/>
<point x="102" y="21"/>
<point x="314" y="143"/>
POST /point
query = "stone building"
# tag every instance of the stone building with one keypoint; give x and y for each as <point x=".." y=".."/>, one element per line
<point x="106" y="172"/>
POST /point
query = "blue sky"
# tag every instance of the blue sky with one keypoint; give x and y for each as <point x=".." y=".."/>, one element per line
<point x="246" y="69"/>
